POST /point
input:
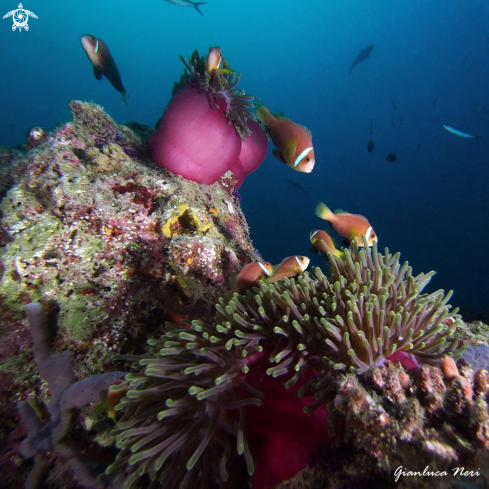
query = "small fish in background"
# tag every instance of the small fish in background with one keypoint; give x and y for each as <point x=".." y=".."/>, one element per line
<point x="364" y="54"/>
<point x="485" y="109"/>
<point x="250" y="275"/>
<point x="434" y="102"/>
<point x="391" y="157"/>
<point x="323" y="242"/>
<point x="394" y="104"/>
<point x="188" y="3"/>
<point x="392" y="120"/>
<point x="289" y="267"/>
<point x="348" y="226"/>
<point x="103" y="63"/>
<point x="458" y="132"/>
<point x="297" y="186"/>
<point x="293" y="141"/>
<point x="400" y="121"/>
<point x="466" y="58"/>
<point x="370" y="146"/>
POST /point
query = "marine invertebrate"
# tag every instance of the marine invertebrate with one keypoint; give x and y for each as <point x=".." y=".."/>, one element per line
<point x="193" y="394"/>
<point x="200" y="133"/>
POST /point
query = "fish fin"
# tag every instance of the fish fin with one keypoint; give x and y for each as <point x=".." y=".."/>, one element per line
<point x="263" y="114"/>
<point x="323" y="211"/>
<point x="313" y="249"/>
<point x="97" y="73"/>
<point x="290" y="147"/>
<point x="340" y="211"/>
<point x="278" y="156"/>
<point x="196" y="6"/>
<point x="308" y="131"/>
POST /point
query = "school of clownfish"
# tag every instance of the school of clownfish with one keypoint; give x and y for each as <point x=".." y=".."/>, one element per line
<point x="348" y="226"/>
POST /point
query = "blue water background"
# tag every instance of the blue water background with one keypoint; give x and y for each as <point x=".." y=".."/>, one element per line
<point x="431" y="205"/>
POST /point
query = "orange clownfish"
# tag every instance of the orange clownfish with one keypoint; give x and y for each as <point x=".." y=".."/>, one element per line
<point x="324" y="243"/>
<point x="290" y="266"/>
<point x="293" y="141"/>
<point x="250" y="275"/>
<point x="213" y="60"/>
<point x="348" y="226"/>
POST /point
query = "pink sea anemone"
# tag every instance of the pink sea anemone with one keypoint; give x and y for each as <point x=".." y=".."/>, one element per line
<point x="206" y="125"/>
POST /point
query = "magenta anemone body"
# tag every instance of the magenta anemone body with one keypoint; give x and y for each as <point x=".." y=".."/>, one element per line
<point x="194" y="139"/>
<point x="253" y="149"/>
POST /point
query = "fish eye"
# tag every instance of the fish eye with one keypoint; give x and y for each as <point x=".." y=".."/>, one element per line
<point x="307" y="159"/>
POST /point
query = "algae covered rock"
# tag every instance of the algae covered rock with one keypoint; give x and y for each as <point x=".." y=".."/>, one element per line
<point x="115" y="244"/>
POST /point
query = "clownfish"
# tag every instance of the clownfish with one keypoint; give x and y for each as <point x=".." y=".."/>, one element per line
<point x="348" y="226"/>
<point x="250" y="275"/>
<point x="103" y="63"/>
<point x="293" y="141"/>
<point x="290" y="266"/>
<point x="324" y="243"/>
<point x="213" y="60"/>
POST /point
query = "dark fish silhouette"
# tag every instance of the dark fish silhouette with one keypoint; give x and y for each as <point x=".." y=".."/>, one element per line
<point x="103" y="63"/>
<point x="364" y="54"/>
<point x="394" y="104"/>
<point x="466" y="58"/>
<point x="391" y="157"/>
<point x="370" y="146"/>
<point x="434" y="102"/>
<point x="297" y="186"/>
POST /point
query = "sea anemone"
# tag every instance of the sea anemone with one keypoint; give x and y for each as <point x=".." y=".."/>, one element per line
<point x="207" y="125"/>
<point x="189" y="405"/>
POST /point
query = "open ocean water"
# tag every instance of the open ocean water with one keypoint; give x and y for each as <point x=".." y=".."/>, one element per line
<point x="429" y="67"/>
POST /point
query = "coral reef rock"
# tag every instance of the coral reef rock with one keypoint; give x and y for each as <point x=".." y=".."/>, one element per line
<point x="391" y="424"/>
<point x="111" y="245"/>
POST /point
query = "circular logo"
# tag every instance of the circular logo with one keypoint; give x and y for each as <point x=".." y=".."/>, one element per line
<point x="20" y="18"/>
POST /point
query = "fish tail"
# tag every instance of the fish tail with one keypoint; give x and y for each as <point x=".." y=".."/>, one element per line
<point x="196" y="6"/>
<point x="263" y="114"/>
<point x="323" y="211"/>
<point x="125" y="96"/>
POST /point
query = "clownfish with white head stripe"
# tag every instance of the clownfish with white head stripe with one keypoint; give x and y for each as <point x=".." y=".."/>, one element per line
<point x="290" y="267"/>
<point x="323" y="242"/>
<point x="293" y="141"/>
<point x="348" y="226"/>
<point x="250" y="275"/>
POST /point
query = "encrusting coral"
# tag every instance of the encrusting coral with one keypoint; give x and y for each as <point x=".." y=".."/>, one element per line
<point x="114" y="246"/>
<point x="187" y="401"/>
<point x="119" y="245"/>
<point x="395" y="425"/>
